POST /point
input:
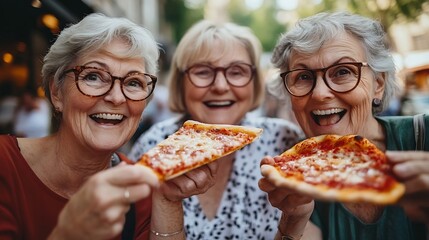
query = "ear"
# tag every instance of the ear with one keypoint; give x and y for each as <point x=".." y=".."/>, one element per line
<point x="56" y="96"/>
<point x="379" y="85"/>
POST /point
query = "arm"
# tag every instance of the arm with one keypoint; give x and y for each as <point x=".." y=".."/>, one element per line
<point x="167" y="210"/>
<point x="167" y="218"/>
<point x="296" y="210"/>
<point x="97" y="210"/>
<point x="412" y="168"/>
<point x="290" y="228"/>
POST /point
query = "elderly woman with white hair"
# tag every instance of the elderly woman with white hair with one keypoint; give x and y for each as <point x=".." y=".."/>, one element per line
<point x="98" y="76"/>
<point x="338" y="73"/>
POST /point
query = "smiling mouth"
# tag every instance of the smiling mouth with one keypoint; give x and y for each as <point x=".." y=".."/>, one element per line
<point x="218" y="104"/>
<point x="328" y="117"/>
<point x="107" y="118"/>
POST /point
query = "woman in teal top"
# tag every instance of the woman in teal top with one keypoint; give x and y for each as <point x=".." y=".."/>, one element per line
<point x="338" y="73"/>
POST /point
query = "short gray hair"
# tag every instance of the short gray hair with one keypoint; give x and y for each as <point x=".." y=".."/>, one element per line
<point x="91" y="34"/>
<point x="310" y="33"/>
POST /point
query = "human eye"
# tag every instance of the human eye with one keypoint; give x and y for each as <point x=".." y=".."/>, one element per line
<point x="94" y="77"/>
<point x="342" y="71"/>
<point x="299" y="81"/>
<point x="203" y="72"/>
<point x="138" y="82"/>
<point x="238" y="71"/>
<point x="302" y="76"/>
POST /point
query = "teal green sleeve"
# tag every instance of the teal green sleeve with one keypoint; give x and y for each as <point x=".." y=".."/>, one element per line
<point x="400" y="132"/>
<point x="392" y="225"/>
<point x="337" y="223"/>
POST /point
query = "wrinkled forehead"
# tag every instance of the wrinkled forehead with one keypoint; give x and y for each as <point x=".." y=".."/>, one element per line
<point x="329" y="49"/>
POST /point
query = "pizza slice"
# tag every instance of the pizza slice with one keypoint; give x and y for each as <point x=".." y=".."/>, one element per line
<point x="336" y="168"/>
<point x="194" y="145"/>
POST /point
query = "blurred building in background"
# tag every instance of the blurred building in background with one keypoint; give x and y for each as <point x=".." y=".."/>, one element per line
<point x="27" y="29"/>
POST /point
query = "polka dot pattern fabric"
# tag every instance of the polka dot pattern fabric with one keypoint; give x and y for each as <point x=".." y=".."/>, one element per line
<point x="244" y="211"/>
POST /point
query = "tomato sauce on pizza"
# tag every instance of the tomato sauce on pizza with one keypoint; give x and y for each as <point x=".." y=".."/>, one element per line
<point x="338" y="168"/>
<point x="196" y="144"/>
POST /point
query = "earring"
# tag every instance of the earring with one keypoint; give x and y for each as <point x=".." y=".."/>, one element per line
<point x="56" y="114"/>
<point x="376" y="102"/>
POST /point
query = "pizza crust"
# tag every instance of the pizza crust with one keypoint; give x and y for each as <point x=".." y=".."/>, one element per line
<point x="336" y="168"/>
<point x="236" y="128"/>
<point x="323" y="192"/>
<point x="196" y="144"/>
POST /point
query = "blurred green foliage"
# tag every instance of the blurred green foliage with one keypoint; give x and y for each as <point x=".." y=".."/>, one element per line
<point x="181" y="17"/>
<point x="264" y="20"/>
<point x="389" y="11"/>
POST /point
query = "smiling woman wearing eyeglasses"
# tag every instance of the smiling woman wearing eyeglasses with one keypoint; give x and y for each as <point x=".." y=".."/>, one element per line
<point x="337" y="72"/>
<point x="98" y="76"/>
<point x="96" y="82"/>
<point x="215" y="78"/>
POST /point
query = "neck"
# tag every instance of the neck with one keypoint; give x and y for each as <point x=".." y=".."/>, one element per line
<point x="374" y="132"/>
<point x="367" y="213"/>
<point x="65" y="166"/>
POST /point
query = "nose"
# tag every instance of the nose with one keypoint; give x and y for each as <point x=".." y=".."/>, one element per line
<point x="321" y="91"/>
<point x="220" y="82"/>
<point x="115" y="95"/>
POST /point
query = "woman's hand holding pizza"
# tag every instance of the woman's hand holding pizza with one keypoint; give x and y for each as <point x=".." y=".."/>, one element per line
<point x="287" y="200"/>
<point x="412" y="168"/>
<point x="97" y="210"/>
<point x="194" y="182"/>
<point x="167" y="199"/>
<point x="296" y="208"/>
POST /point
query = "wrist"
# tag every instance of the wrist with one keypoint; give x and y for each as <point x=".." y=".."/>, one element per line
<point x="161" y="196"/>
<point x="166" y="235"/>
<point x="167" y="219"/>
<point x="285" y="236"/>
<point x="291" y="228"/>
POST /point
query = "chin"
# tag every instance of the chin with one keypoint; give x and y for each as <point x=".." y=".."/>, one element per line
<point x="229" y="122"/>
<point x="216" y="120"/>
<point x="318" y="132"/>
<point x="108" y="144"/>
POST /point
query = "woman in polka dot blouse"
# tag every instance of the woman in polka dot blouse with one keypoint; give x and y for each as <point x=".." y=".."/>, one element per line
<point x="215" y="78"/>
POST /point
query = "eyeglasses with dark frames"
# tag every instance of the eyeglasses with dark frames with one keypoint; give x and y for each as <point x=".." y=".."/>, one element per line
<point x="96" y="82"/>
<point x="236" y="74"/>
<point x="340" y="78"/>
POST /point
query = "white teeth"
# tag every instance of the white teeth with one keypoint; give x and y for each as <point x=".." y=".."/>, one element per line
<point x="109" y="116"/>
<point x="222" y="103"/>
<point x="327" y="112"/>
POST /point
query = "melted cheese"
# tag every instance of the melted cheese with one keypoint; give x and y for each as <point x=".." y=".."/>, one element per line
<point x="190" y="147"/>
<point x="337" y="168"/>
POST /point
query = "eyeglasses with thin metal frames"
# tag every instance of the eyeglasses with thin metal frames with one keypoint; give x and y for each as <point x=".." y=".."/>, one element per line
<point x="77" y="70"/>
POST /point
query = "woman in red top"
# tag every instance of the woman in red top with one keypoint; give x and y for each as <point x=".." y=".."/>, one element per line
<point x="98" y="76"/>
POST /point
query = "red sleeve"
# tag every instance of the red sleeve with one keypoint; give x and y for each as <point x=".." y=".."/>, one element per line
<point x="28" y="209"/>
<point x="143" y="216"/>
<point x="143" y="211"/>
<point x="124" y="158"/>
